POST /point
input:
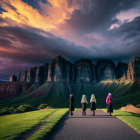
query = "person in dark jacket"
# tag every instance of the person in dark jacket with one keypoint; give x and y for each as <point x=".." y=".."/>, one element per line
<point x="93" y="101"/>
<point x="84" y="102"/>
<point x="109" y="103"/>
<point x="71" y="106"/>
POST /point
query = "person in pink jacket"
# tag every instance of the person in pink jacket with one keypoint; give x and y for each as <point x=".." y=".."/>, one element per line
<point x="109" y="103"/>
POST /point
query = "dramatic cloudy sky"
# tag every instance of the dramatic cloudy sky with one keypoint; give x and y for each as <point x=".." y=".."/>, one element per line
<point x="32" y="32"/>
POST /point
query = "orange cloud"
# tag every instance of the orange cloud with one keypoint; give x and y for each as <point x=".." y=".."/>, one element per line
<point x="25" y="14"/>
<point x="50" y="16"/>
<point x="58" y="10"/>
<point x="53" y="12"/>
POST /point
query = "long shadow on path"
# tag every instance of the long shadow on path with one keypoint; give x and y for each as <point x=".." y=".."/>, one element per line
<point x="98" y="127"/>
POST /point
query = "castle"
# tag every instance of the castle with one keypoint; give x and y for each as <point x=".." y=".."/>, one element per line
<point x="60" y="70"/>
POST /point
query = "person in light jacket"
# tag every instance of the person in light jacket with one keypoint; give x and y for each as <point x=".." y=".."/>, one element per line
<point x="109" y="103"/>
<point x="93" y="101"/>
<point x="84" y="102"/>
<point x="71" y="106"/>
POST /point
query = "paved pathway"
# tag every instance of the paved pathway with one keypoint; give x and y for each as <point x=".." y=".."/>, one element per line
<point x="98" y="127"/>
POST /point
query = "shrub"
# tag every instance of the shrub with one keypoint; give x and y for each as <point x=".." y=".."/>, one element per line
<point x="6" y="110"/>
<point x="23" y="108"/>
<point x="11" y="109"/>
<point x="138" y="105"/>
<point x="41" y="106"/>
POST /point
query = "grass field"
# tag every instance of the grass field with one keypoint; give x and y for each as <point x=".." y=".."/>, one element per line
<point x="51" y="123"/>
<point x="57" y="94"/>
<point x="15" y="125"/>
<point x="132" y="119"/>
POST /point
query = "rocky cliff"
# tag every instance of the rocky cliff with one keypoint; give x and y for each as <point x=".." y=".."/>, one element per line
<point x="85" y="71"/>
<point x="106" y="70"/>
<point x="122" y="69"/>
<point x="61" y="70"/>
<point x="133" y="72"/>
<point x="12" y="89"/>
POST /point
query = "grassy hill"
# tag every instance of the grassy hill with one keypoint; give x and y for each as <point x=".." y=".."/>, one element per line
<point x="57" y="94"/>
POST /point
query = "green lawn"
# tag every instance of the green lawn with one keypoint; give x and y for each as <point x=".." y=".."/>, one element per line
<point x="132" y="119"/>
<point x="13" y="126"/>
<point x="50" y="124"/>
<point x="57" y="95"/>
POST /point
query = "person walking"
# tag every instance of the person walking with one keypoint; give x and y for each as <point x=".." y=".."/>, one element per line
<point x="84" y="102"/>
<point x="71" y="106"/>
<point x="109" y="103"/>
<point x="93" y="101"/>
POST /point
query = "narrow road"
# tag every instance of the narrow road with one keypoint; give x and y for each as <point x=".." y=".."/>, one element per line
<point x="98" y="127"/>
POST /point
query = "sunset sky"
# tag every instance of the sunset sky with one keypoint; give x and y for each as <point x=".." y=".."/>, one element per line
<point x="33" y="32"/>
